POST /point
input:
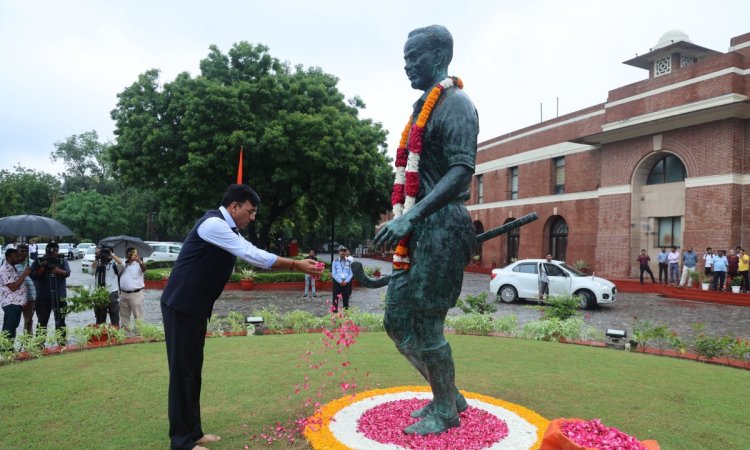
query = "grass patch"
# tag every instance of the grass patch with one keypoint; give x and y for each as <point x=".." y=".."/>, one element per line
<point x="116" y="397"/>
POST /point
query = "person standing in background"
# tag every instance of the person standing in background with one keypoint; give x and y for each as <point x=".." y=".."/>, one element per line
<point x="661" y="258"/>
<point x="309" y="279"/>
<point x="643" y="260"/>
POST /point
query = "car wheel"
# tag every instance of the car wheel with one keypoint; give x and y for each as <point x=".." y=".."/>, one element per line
<point x="508" y="294"/>
<point x="588" y="299"/>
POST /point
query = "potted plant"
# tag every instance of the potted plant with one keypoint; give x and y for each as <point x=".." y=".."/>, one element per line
<point x="246" y="279"/>
<point x="582" y="265"/>
<point x="736" y="283"/>
<point x="696" y="279"/>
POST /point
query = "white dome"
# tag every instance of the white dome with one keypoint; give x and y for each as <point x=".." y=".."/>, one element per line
<point x="671" y="37"/>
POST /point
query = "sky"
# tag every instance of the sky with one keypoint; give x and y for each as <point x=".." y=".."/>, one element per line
<point x="64" y="62"/>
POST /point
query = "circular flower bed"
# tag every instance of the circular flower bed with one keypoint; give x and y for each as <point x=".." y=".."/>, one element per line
<point x="376" y="419"/>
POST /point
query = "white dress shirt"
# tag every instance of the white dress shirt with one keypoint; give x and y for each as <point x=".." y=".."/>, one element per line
<point x="219" y="233"/>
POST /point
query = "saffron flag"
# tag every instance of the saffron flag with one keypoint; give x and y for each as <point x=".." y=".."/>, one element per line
<point x="239" y="168"/>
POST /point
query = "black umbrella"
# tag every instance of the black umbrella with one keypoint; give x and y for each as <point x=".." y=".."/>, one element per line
<point x="120" y="244"/>
<point x="31" y="225"/>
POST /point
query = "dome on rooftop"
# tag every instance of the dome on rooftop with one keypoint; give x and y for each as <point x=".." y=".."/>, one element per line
<point x="670" y="37"/>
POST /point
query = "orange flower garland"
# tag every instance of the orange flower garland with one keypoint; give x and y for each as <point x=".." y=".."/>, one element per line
<point x="406" y="185"/>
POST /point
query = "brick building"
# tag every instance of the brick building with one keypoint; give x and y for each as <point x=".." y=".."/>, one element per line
<point x="664" y="161"/>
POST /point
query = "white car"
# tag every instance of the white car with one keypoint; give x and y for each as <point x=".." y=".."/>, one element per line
<point x="82" y="247"/>
<point x="88" y="259"/>
<point x="163" y="251"/>
<point x="521" y="280"/>
<point x="67" y="251"/>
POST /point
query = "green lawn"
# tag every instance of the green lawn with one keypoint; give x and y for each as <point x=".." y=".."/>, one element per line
<point x="116" y="397"/>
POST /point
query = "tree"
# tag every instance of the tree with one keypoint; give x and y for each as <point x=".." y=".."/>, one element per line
<point x="307" y="153"/>
<point x="27" y="191"/>
<point x="92" y="214"/>
<point x="85" y="160"/>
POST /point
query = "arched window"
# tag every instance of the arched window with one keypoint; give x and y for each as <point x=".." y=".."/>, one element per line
<point x="514" y="239"/>
<point x="558" y="239"/>
<point x="667" y="170"/>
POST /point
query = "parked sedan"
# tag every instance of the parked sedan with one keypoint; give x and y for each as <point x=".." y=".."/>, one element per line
<point x="521" y="280"/>
<point x="163" y="251"/>
<point x="88" y="259"/>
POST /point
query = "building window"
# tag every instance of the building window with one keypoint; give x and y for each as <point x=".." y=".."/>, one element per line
<point x="559" y="164"/>
<point x="514" y="240"/>
<point x="480" y="188"/>
<point x="558" y="239"/>
<point x="670" y="230"/>
<point x="513" y="183"/>
<point x="687" y="60"/>
<point x="662" y="66"/>
<point x="667" y="170"/>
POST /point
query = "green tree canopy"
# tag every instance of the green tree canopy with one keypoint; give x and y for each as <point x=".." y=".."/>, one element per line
<point x="92" y="214"/>
<point x="85" y="160"/>
<point x="26" y="191"/>
<point x="307" y="152"/>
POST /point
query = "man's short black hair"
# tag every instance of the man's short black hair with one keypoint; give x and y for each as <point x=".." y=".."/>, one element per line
<point x="10" y="252"/>
<point x="437" y="37"/>
<point x="240" y="193"/>
<point x="52" y="245"/>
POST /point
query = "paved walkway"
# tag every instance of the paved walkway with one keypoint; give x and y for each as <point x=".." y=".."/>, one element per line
<point x="677" y="314"/>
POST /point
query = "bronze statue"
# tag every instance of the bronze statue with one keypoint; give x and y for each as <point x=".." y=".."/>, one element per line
<point x="433" y="229"/>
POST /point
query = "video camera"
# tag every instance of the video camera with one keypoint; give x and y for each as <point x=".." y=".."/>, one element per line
<point x="51" y="261"/>
<point x="104" y="255"/>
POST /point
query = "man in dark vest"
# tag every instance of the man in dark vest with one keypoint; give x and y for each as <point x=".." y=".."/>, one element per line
<point x="202" y="269"/>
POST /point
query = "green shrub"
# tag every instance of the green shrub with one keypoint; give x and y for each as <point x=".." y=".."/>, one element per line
<point x="369" y="321"/>
<point x="7" y="351"/>
<point x="506" y="325"/>
<point x="159" y="264"/>
<point x="472" y="323"/>
<point x="272" y="320"/>
<point x="476" y="304"/>
<point x="542" y="330"/>
<point x="299" y="321"/>
<point x="156" y="274"/>
<point x="150" y="332"/>
<point x="562" y="307"/>
<point x="642" y="331"/>
<point x="661" y="334"/>
<point x="235" y="321"/>
<point x="235" y="278"/>
<point x="707" y="346"/>
<point x="85" y="299"/>
<point x="278" y="277"/>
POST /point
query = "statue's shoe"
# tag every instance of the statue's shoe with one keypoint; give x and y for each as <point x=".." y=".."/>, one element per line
<point x="461" y="406"/>
<point x="432" y="424"/>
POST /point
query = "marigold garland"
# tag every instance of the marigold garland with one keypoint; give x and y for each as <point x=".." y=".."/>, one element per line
<point x="319" y="435"/>
<point x="406" y="184"/>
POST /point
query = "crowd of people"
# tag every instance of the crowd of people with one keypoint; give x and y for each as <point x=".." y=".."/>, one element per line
<point x="720" y="267"/>
<point x="33" y="284"/>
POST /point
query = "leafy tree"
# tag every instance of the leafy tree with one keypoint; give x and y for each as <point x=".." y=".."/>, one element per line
<point x="85" y="160"/>
<point x="307" y="153"/>
<point x="26" y="191"/>
<point x="92" y="214"/>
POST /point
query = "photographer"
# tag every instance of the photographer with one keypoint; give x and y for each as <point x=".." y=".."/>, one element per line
<point x="50" y="272"/>
<point x="105" y="269"/>
<point x="131" y="288"/>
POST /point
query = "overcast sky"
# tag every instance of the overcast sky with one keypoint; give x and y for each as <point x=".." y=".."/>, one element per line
<point x="63" y="62"/>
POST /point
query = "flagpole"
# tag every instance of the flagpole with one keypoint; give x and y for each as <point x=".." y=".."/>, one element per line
<point x="239" y="168"/>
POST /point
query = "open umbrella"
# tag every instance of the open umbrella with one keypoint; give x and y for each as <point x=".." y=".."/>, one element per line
<point x="31" y="225"/>
<point x="120" y="244"/>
